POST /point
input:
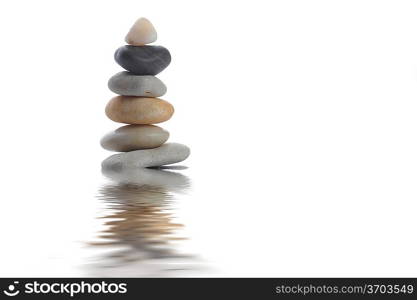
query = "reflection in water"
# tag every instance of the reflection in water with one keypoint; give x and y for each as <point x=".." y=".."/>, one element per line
<point x="139" y="230"/>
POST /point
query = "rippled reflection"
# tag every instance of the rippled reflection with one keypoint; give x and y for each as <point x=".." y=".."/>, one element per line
<point x="139" y="230"/>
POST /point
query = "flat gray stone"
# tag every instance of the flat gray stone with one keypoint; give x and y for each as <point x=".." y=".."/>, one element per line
<point x="167" y="154"/>
<point x="134" y="137"/>
<point x="128" y="84"/>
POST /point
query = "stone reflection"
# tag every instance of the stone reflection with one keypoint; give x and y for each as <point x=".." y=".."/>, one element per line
<point x="139" y="234"/>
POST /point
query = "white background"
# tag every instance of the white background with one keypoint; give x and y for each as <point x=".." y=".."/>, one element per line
<point x="300" y="115"/>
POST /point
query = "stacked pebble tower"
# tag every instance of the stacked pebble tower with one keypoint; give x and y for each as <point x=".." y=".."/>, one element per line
<point x="141" y="143"/>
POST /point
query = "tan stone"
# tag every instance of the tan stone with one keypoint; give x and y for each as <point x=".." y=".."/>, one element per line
<point x="134" y="137"/>
<point x="141" y="33"/>
<point x="139" y="110"/>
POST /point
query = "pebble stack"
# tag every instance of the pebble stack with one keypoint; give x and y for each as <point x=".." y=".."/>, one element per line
<point x="142" y="144"/>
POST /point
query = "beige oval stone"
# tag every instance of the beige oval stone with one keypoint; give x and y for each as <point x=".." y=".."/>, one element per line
<point x="139" y="110"/>
<point x="134" y="137"/>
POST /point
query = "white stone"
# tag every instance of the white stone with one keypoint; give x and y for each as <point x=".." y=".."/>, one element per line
<point x="141" y="33"/>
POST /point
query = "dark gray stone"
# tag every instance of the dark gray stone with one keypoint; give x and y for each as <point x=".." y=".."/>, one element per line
<point x="143" y="60"/>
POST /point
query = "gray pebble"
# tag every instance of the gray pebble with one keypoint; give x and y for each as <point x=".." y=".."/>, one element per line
<point x="129" y="84"/>
<point x="167" y="154"/>
<point x="134" y="137"/>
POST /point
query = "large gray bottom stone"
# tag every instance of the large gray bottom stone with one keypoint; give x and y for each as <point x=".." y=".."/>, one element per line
<point x="167" y="154"/>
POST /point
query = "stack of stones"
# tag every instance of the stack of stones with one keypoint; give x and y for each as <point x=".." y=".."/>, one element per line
<point x="141" y="143"/>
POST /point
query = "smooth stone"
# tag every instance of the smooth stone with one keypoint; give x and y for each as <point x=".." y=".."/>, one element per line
<point x="128" y="84"/>
<point x="143" y="60"/>
<point x="139" y="110"/>
<point x="141" y="33"/>
<point x="167" y="154"/>
<point x="134" y="137"/>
